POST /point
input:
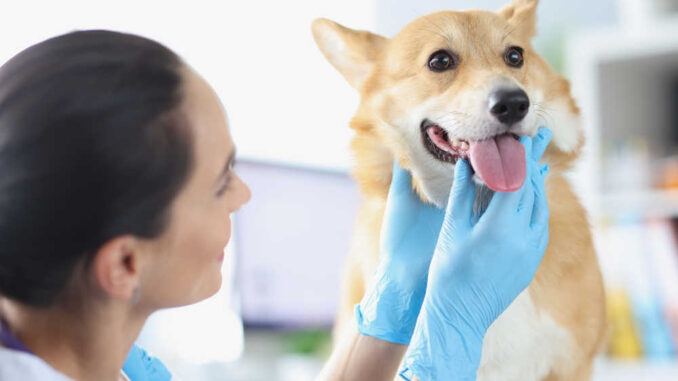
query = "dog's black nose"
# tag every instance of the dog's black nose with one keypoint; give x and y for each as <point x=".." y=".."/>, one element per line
<point x="509" y="105"/>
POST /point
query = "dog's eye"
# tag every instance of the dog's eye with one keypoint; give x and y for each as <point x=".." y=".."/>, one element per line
<point x="441" y="61"/>
<point x="513" y="56"/>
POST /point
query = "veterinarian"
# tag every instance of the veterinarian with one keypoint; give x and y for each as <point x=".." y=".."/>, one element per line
<point x="116" y="187"/>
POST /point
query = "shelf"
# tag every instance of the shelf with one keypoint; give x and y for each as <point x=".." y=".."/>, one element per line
<point x="593" y="61"/>
<point x="649" y="203"/>
<point x="621" y="43"/>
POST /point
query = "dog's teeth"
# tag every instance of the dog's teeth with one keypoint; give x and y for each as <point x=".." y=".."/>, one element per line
<point x="464" y="145"/>
<point x="455" y="143"/>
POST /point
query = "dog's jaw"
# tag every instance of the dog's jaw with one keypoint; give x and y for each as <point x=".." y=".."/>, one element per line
<point x="435" y="177"/>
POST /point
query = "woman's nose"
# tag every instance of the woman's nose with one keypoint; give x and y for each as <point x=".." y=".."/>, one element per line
<point x="244" y="192"/>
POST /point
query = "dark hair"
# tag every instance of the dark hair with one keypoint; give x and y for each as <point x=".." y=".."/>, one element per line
<point x="93" y="145"/>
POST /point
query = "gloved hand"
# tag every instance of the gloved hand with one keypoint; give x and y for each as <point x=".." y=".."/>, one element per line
<point x="393" y="298"/>
<point x="479" y="267"/>
<point x="139" y="366"/>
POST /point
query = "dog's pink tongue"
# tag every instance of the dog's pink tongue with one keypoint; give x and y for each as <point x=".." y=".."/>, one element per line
<point x="500" y="162"/>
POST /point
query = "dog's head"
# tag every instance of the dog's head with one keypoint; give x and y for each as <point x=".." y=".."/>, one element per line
<point x="451" y="85"/>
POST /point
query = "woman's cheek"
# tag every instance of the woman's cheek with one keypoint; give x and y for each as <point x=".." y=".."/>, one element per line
<point x="221" y="231"/>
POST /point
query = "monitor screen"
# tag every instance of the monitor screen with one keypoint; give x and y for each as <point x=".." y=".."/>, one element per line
<point x="291" y="241"/>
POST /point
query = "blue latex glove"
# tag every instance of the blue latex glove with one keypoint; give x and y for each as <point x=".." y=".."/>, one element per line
<point x="393" y="298"/>
<point x="139" y="366"/>
<point x="479" y="267"/>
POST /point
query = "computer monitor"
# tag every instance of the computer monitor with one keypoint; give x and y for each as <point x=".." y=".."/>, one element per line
<point x="291" y="241"/>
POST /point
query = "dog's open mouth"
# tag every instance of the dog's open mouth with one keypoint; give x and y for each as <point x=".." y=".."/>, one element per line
<point x="499" y="161"/>
<point x="439" y="144"/>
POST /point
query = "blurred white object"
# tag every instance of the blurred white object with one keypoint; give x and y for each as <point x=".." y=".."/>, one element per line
<point x="607" y="370"/>
<point x="637" y="13"/>
<point x="299" y="368"/>
<point x="627" y="165"/>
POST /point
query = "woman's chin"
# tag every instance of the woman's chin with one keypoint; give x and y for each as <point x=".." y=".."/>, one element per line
<point x="206" y="289"/>
<point x="214" y="285"/>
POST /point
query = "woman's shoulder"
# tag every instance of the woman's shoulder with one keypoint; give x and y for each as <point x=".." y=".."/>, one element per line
<point x="16" y="365"/>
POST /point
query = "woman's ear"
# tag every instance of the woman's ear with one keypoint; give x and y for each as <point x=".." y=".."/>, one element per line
<point x="117" y="267"/>
<point x="352" y="52"/>
<point x="522" y="15"/>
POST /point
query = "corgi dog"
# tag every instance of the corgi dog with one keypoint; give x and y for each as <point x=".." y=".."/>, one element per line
<point x="467" y="84"/>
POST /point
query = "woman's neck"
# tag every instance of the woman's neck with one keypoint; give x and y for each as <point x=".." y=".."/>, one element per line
<point x="85" y="343"/>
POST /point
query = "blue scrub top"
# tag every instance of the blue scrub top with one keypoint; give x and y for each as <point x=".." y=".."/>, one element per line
<point x="140" y="366"/>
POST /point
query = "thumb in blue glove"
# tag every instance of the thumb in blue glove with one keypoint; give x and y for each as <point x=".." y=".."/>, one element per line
<point x="479" y="267"/>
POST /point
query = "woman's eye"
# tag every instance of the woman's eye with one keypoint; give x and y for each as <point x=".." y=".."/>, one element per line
<point x="227" y="179"/>
<point x="441" y="61"/>
<point x="513" y="56"/>
<point x="224" y="187"/>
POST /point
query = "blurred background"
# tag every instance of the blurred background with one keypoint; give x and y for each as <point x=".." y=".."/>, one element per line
<point x="289" y="111"/>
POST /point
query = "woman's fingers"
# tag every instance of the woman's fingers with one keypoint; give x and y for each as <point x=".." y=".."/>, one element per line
<point x="462" y="195"/>
<point x="526" y="205"/>
<point x="540" y="142"/>
<point x="521" y="202"/>
<point x="527" y="143"/>
<point x="503" y="207"/>
<point x="540" y="213"/>
<point x="401" y="180"/>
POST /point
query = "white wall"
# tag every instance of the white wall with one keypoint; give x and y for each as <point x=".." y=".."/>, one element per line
<point x="284" y="101"/>
<point x="552" y="14"/>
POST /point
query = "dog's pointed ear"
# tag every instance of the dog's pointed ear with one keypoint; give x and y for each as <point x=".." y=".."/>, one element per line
<point x="522" y="15"/>
<point x="352" y="52"/>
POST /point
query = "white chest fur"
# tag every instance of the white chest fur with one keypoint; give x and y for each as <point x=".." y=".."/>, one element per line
<point x="523" y="344"/>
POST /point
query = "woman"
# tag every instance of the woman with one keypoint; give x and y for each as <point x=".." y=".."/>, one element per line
<point x="116" y="189"/>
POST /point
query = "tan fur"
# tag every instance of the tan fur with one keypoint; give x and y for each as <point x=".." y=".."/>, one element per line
<point x="393" y="80"/>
